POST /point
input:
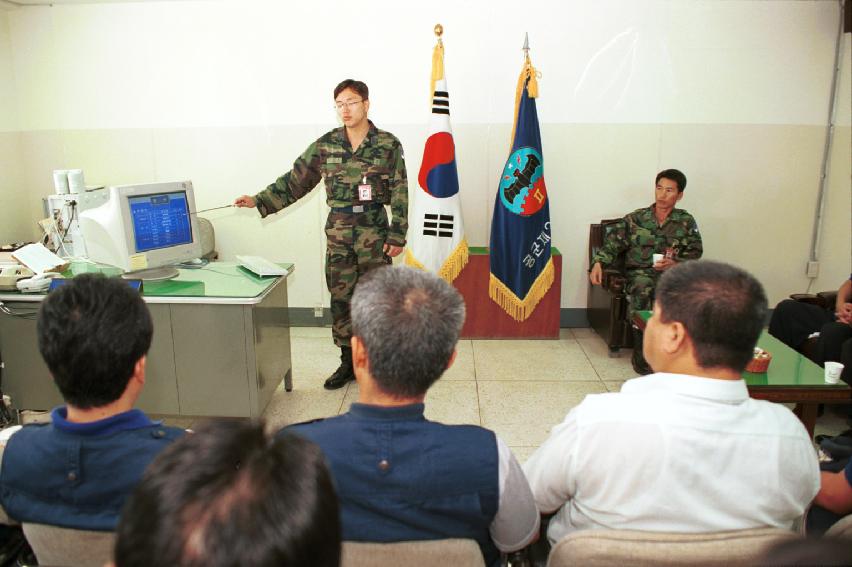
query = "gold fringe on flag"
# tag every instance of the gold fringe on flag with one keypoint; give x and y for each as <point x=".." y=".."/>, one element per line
<point x="455" y="262"/>
<point x="452" y="266"/>
<point x="410" y="260"/>
<point x="528" y="72"/>
<point x="520" y="309"/>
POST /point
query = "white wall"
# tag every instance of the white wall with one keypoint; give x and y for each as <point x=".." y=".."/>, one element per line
<point x="228" y="93"/>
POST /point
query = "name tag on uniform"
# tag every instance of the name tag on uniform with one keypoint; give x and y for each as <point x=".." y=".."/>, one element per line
<point x="365" y="192"/>
<point x="334" y="160"/>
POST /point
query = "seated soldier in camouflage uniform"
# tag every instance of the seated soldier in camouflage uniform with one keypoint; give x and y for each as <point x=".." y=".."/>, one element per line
<point x="364" y="170"/>
<point x="658" y="229"/>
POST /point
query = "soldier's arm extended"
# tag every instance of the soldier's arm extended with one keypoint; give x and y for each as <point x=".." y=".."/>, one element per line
<point x="693" y="248"/>
<point x="399" y="200"/>
<point x="615" y="242"/>
<point x="293" y="185"/>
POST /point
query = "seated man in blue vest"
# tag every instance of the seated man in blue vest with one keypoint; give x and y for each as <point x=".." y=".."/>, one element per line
<point x="399" y="476"/>
<point x="77" y="471"/>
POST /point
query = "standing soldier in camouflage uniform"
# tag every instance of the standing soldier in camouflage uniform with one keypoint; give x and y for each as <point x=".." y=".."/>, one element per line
<point x="364" y="170"/>
<point x="658" y="229"/>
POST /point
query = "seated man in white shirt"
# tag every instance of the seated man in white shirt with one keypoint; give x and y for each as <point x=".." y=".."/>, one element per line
<point x="685" y="449"/>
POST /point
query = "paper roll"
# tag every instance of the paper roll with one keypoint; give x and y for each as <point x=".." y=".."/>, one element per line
<point x="76" y="183"/>
<point x="60" y="181"/>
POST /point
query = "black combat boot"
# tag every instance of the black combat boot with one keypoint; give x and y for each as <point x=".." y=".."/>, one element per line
<point x="640" y="365"/>
<point x="344" y="374"/>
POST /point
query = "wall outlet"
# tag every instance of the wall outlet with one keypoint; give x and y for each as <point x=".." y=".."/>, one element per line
<point x="318" y="310"/>
<point x="812" y="270"/>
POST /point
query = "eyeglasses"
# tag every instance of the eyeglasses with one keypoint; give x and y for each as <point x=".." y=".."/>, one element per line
<point x="339" y="106"/>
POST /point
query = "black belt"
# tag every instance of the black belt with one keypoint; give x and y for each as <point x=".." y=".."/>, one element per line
<point x="357" y="208"/>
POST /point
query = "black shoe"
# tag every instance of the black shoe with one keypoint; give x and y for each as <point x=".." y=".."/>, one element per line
<point x="640" y="365"/>
<point x="340" y="378"/>
<point x="344" y="374"/>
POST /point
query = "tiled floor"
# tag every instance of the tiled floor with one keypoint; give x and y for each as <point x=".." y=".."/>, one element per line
<point x="520" y="389"/>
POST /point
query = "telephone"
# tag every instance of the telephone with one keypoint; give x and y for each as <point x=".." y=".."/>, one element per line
<point x="38" y="283"/>
<point x="10" y="275"/>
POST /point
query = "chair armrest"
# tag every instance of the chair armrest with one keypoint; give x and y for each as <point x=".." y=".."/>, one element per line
<point x="829" y="298"/>
<point x="808" y="298"/>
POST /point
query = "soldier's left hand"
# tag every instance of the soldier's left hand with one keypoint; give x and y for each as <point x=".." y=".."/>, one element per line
<point x="664" y="264"/>
<point x="392" y="251"/>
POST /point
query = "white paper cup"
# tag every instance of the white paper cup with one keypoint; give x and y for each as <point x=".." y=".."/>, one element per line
<point x="832" y="372"/>
<point x="76" y="183"/>
<point x="658" y="258"/>
<point x="60" y="181"/>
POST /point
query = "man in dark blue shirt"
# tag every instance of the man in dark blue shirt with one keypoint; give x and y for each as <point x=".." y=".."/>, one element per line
<point x="76" y="472"/>
<point x="399" y="476"/>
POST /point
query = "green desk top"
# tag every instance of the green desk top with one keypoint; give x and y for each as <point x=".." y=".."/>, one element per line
<point x="217" y="282"/>
<point x="787" y="368"/>
<point x="483" y="250"/>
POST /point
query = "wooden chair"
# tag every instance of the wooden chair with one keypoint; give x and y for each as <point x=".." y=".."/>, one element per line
<point x="455" y="552"/>
<point x="607" y="304"/>
<point x="602" y="548"/>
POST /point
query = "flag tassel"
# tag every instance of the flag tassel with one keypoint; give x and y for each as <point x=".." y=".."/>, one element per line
<point x="517" y="308"/>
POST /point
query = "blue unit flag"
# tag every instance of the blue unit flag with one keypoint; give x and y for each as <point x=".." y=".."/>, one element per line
<point x="521" y="266"/>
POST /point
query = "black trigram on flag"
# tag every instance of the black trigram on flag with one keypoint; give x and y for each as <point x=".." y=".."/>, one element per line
<point x="438" y="225"/>
<point x="441" y="102"/>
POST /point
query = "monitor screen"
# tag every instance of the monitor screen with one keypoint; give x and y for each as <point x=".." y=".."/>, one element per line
<point x="143" y="227"/>
<point x="160" y="220"/>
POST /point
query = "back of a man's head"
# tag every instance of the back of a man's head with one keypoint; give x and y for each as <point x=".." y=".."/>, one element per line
<point x="409" y="321"/>
<point x="722" y="308"/>
<point x="91" y="332"/>
<point x="228" y="495"/>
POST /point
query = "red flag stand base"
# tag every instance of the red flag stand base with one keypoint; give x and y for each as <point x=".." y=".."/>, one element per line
<point x="487" y="320"/>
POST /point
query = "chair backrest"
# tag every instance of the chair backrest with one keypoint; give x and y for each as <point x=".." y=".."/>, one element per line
<point x="601" y="548"/>
<point x="59" y="547"/>
<point x="455" y="552"/>
<point x="841" y="529"/>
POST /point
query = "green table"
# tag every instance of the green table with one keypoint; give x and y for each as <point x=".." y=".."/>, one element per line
<point x="790" y="378"/>
<point x="221" y="343"/>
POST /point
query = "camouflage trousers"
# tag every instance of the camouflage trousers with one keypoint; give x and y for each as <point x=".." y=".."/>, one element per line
<point x="640" y="289"/>
<point x="354" y="246"/>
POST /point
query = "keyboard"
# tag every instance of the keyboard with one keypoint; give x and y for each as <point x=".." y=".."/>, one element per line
<point x="261" y="266"/>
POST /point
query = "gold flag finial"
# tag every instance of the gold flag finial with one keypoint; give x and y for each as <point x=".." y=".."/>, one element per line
<point x="439" y="30"/>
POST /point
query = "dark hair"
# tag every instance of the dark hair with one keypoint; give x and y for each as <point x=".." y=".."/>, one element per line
<point x="721" y="306"/>
<point x="91" y="333"/>
<point x="409" y="321"/>
<point x="357" y="86"/>
<point x="675" y="175"/>
<point x="228" y="495"/>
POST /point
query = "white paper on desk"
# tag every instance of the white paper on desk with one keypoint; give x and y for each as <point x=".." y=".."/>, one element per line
<point x="39" y="259"/>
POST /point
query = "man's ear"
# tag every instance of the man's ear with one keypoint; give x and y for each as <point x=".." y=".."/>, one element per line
<point x="674" y="337"/>
<point x="359" y="353"/>
<point x="679" y="196"/>
<point x="139" y="369"/>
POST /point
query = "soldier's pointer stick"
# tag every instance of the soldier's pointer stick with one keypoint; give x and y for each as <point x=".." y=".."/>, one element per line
<point x="211" y="209"/>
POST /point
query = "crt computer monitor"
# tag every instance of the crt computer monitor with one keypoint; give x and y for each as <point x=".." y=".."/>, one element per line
<point x="144" y="229"/>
